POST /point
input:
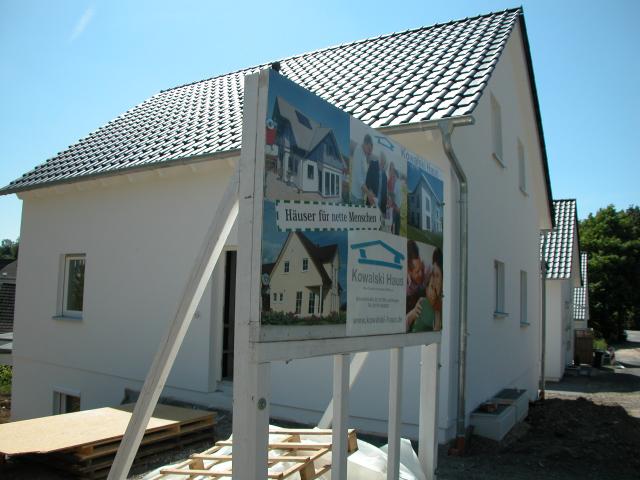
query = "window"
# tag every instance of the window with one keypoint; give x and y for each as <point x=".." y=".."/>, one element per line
<point x="305" y="264"/>
<point x="312" y="302"/>
<point x="65" y="402"/>
<point x="286" y="266"/>
<point x="523" y="298"/>
<point x="496" y="125"/>
<point x="499" y="282"/>
<point x="333" y="185"/>
<point x="303" y="120"/>
<point x="275" y="297"/>
<point x="522" y="174"/>
<point x="73" y="286"/>
<point x="310" y="172"/>
<point x="298" y="302"/>
<point x="281" y="297"/>
<point x="327" y="182"/>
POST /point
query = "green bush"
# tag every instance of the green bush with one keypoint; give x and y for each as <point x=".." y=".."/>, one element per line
<point x="599" y="344"/>
<point x="5" y="379"/>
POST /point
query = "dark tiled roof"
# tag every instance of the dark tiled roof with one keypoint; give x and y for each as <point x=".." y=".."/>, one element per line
<point x="580" y="303"/>
<point x="408" y="77"/>
<point x="9" y="270"/>
<point x="319" y="255"/>
<point x="558" y="243"/>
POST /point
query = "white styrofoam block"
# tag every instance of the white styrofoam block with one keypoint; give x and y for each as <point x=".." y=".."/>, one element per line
<point x="494" y="425"/>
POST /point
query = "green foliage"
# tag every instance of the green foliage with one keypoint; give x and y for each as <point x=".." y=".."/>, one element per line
<point x="289" y="318"/>
<point x="9" y="249"/>
<point x="599" y="344"/>
<point x="5" y="379"/>
<point x="611" y="239"/>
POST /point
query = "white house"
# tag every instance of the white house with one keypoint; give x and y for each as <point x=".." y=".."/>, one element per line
<point x="560" y="250"/>
<point x="307" y="153"/>
<point x="309" y="270"/>
<point x="425" y="205"/>
<point x="132" y="202"/>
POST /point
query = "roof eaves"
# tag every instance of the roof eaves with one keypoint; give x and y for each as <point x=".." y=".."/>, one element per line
<point x="536" y="107"/>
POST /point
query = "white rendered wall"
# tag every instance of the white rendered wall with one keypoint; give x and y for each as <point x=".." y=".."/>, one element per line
<point x="555" y="336"/>
<point x="140" y="233"/>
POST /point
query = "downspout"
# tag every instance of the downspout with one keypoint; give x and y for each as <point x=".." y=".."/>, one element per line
<point x="543" y="316"/>
<point x="446" y="129"/>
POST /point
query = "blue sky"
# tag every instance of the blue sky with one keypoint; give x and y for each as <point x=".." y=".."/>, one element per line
<point x="69" y="67"/>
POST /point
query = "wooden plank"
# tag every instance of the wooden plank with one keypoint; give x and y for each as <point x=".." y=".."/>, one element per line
<point x="340" y="415"/>
<point x="395" y="417"/>
<point x="87" y="430"/>
<point x="276" y="351"/>
<point x="205" y="262"/>
<point x="428" y="415"/>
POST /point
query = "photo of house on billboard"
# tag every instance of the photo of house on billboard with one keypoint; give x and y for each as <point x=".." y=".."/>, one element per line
<point x="352" y="222"/>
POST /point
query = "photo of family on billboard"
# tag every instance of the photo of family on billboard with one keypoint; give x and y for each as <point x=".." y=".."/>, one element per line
<point x="327" y="174"/>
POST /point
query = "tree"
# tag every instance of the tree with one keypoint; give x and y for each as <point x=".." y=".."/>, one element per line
<point x="611" y="239"/>
<point x="9" y="249"/>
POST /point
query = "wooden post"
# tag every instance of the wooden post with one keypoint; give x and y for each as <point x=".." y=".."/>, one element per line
<point x="428" y="428"/>
<point x="357" y="362"/>
<point x="396" y="361"/>
<point x="340" y="416"/>
<point x="156" y="378"/>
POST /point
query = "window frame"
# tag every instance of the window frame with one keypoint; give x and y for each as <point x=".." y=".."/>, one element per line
<point x="305" y="264"/>
<point x="60" y="400"/>
<point x="524" y="301"/>
<point x="499" y="286"/>
<point x="64" y="310"/>
<point x="496" y="131"/>
<point x="286" y="266"/>
<point x="312" y="303"/>
<point x="298" y="310"/>
<point x="522" y="172"/>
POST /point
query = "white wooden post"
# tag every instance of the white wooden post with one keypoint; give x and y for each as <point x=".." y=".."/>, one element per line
<point x="396" y="361"/>
<point x="250" y="376"/>
<point x="357" y="362"/>
<point x="340" y="416"/>
<point x="428" y="428"/>
<point x="156" y="378"/>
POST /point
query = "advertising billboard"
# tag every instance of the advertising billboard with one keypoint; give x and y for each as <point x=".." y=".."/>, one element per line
<point x="352" y="223"/>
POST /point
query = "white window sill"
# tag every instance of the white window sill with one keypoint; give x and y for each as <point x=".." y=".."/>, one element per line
<point x="68" y="318"/>
<point x="500" y="315"/>
<point x="497" y="158"/>
<point x="523" y="191"/>
<point x="524" y="324"/>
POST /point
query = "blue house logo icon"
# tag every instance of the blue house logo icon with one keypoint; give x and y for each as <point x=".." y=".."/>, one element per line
<point x="393" y="259"/>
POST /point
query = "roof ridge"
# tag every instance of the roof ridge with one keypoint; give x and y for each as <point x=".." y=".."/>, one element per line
<point x="341" y="45"/>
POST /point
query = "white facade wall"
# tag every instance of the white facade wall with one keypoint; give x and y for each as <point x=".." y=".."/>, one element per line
<point x="140" y="233"/>
<point x="141" y="237"/>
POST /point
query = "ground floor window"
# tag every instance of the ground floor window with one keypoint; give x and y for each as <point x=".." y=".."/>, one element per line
<point x="298" y="302"/>
<point x="312" y="303"/>
<point x="64" y="402"/>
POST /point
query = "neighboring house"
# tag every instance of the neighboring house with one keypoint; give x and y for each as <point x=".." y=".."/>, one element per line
<point x="560" y="250"/>
<point x="7" y="294"/>
<point x="111" y="227"/>
<point x="308" y="154"/>
<point x="425" y="204"/>
<point x="581" y="297"/>
<point x="304" y="278"/>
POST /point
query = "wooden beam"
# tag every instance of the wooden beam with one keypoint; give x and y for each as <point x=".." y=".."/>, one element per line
<point x="428" y="423"/>
<point x="395" y="417"/>
<point x="340" y="416"/>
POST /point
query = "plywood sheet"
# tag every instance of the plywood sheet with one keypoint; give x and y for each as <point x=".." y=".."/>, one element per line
<point x="70" y="430"/>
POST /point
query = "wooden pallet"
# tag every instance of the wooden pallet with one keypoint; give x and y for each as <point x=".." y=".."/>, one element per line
<point x="93" y="460"/>
<point x="309" y="460"/>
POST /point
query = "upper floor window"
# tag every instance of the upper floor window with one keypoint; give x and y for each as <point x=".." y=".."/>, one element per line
<point x="286" y="266"/>
<point x="496" y="125"/>
<point x="523" y="298"/>
<point x="305" y="264"/>
<point x="499" y="310"/>
<point x="73" y="286"/>
<point x="522" y="172"/>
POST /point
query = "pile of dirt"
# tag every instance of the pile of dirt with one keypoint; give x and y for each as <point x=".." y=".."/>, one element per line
<point x="561" y="438"/>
